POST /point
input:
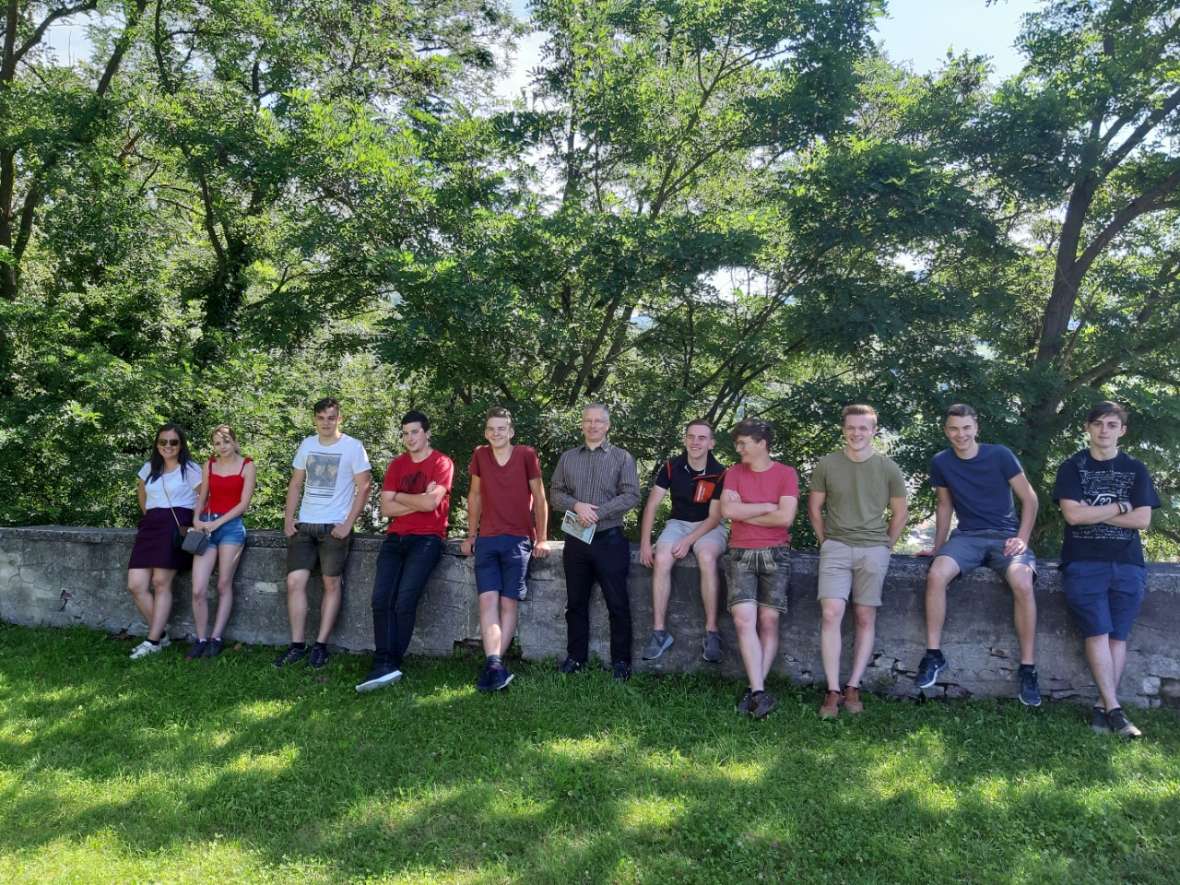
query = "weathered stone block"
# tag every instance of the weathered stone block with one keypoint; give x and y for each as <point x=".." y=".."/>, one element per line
<point x="51" y="575"/>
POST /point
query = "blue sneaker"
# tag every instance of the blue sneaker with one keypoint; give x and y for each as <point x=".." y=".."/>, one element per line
<point x="498" y="678"/>
<point x="658" y="643"/>
<point x="1030" y="692"/>
<point x="928" y="670"/>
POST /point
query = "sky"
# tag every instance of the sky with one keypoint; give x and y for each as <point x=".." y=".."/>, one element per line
<point x="917" y="32"/>
<point x="914" y="32"/>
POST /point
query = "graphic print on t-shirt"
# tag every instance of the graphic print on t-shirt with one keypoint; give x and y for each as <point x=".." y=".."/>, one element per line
<point x="322" y="470"/>
<point x="413" y="483"/>
<point x="1101" y="487"/>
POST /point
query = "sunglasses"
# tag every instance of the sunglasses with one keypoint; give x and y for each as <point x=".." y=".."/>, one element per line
<point x="167" y="443"/>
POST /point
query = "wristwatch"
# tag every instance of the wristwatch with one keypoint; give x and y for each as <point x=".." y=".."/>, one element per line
<point x="1124" y="508"/>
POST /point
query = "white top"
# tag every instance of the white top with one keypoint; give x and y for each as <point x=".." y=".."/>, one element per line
<point x="328" y="488"/>
<point x="182" y="490"/>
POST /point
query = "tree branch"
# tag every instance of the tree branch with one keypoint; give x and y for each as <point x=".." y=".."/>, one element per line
<point x="1148" y="201"/>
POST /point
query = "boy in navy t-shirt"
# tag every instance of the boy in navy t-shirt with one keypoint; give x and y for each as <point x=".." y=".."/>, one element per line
<point x="976" y="481"/>
<point x="1106" y="497"/>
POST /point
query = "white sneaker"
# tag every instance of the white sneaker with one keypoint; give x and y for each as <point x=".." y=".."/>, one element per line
<point x="377" y="679"/>
<point x="146" y="648"/>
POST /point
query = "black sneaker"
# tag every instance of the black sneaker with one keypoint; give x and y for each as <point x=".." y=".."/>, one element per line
<point x="620" y="670"/>
<point x="379" y="676"/>
<point x="197" y="649"/>
<point x="319" y="656"/>
<point x="1098" y="721"/>
<point x="569" y="665"/>
<point x="293" y="655"/>
<point x="743" y="704"/>
<point x="1030" y="692"/>
<point x="761" y="703"/>
<point x="1118" y="722"/>
<point x="213" y="648"/>
<point x="928" y="670"/>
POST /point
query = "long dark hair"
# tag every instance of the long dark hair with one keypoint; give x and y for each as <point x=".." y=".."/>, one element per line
<point x="157" y="460"/>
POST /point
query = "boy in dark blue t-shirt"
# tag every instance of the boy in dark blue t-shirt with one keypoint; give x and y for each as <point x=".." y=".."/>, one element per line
<point x="1106" y="497"/>
<point x="976" y="482"/>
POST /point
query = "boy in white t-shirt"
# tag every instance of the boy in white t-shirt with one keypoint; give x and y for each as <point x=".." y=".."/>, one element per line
<point x="332" y="472"/>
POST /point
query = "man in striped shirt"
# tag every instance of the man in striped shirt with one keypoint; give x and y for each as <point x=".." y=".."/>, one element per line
<point x="599" y="483"/>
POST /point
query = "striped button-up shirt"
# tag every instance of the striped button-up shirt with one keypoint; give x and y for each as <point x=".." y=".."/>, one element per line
<point x="605" y="477"/>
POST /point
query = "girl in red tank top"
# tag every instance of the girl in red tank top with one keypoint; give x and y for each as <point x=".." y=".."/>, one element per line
<point x="225" y="495"/>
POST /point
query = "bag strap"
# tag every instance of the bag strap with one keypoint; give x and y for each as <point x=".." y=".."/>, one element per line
<point x="168" y="498"/>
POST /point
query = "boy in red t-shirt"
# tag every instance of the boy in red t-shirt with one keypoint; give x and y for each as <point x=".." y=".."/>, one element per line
<point x="416" y="496"/>
<point x="507" y="524"/>
<point x="760" y="496"/>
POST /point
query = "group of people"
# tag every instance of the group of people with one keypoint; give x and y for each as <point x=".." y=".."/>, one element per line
<point x="739" y="517"/>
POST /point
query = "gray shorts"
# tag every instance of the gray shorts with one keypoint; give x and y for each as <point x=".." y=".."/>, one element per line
<point x="970" y="550"/>
<point x="675" y="529"/>
<point x="758" y="574"/>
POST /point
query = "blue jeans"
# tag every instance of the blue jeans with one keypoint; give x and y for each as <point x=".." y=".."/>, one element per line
<point x="403" y="567"/>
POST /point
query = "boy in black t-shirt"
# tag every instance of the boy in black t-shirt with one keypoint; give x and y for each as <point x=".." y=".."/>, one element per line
<point x="1106" y="497"/>
<point x="694" y="480"/>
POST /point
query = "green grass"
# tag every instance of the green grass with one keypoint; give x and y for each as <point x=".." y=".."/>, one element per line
<point x="161" y="770"/>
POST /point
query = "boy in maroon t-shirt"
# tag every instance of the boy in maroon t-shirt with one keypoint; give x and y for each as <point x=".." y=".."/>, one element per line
<point x="416" y="496"/>
<point x="507" y="524"/>
<point x="760" y="496"/>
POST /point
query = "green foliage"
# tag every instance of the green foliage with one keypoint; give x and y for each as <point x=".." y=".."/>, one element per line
<point x="701" y="208"/>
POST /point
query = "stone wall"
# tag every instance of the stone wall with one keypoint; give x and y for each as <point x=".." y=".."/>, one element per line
<point x="76" y="576"/>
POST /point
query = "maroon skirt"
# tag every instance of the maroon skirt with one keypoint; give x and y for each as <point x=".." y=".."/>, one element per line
<point x="153" y="541"/>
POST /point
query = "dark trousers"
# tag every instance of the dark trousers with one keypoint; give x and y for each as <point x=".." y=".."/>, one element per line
<point x="607" y="560"/>
<point x="403" y="567"/>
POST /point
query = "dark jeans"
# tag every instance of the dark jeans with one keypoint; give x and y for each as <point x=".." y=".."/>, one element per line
<point x="403" y="567"/>
<point x="606" y="559"/>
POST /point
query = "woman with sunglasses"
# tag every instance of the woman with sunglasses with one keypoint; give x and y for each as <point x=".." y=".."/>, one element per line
<point x="226" y="489"/>
<point x="168" y="487"/>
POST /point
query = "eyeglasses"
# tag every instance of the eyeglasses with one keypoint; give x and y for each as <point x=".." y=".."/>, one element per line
<point x="167" y="443"/>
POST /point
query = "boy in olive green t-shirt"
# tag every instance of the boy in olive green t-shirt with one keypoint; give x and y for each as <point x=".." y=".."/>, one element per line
<point x="850" y="491"/>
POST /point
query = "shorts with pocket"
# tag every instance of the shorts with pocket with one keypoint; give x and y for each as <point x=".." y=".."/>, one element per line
<point x="858" y="572"/>
<point x="313" y="542"/>
<point x="758" y="574"/>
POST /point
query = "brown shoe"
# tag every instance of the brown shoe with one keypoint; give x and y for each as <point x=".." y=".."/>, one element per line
<point x="831" y="705"/>
<point x="852" y="701"/>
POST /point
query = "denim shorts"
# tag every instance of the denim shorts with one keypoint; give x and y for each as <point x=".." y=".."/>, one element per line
<point x="501" y="563"/>
<point x="233" y="532"/>
<point x="1104" y="597"/>
<point x="758" y="574"/>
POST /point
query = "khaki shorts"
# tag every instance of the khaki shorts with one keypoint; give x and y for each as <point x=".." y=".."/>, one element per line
<point x="758" y="574"/>
<point x="675" y="529"/>
<point x="312" y="542"/>
<point x="859" y="571"/>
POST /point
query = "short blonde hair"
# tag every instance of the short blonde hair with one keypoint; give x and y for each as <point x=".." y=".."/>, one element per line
<point x="859" y="409"/>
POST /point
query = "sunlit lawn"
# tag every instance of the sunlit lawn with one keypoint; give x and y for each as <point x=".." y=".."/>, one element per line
<point x="161" y="770"/>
